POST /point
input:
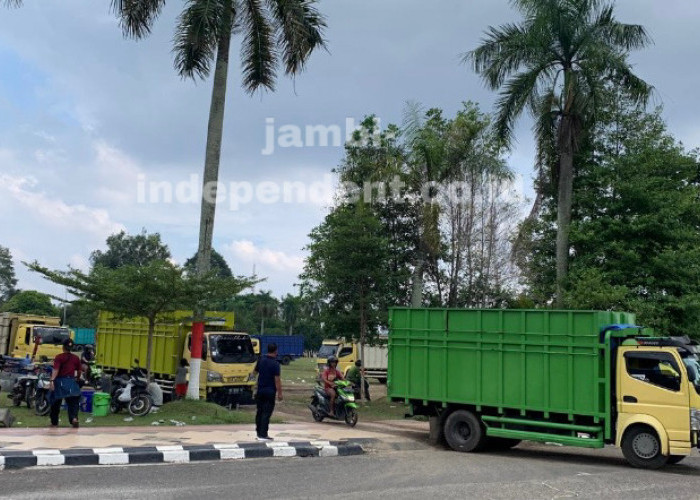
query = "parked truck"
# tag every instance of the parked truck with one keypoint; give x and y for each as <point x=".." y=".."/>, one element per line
<point x="375" y="360"/>
<point x="84" y="336"/>
<point x="289" y="347"/>
<point x="490" y="378"/>
<point x="228" y="362"/>
<point x="32" y="336"/>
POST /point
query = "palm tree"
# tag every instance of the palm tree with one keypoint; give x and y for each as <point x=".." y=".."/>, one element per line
<point x="556" y="63"/>
<point x="274" y="33"/>
<point x="290" y="312"/>
<point x="267" y="307"/>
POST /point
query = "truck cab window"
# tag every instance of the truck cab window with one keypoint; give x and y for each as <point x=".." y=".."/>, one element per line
<point x="345" y="351"/>
<point x="27" y="336"/>
<point x="659" y="369"/>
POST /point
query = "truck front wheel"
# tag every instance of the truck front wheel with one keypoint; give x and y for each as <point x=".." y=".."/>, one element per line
<point x="641" y="447"/>
<point x="286" y="360"/>
<point x="464" y="431"/>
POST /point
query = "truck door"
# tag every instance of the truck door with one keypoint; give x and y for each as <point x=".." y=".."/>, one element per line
<point x="653" y="383"/>
<point x="346" y="357"/>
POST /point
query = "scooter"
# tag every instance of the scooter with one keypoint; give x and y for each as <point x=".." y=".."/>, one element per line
<point x="345" y="406"/>
<point x="42" y="405"/>
<point x="132" y="393"/>
<point x="93" y="376"/>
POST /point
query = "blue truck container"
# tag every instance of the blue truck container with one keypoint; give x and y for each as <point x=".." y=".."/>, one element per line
<point x="289" y="347"/>
<point x="84" y="336"/>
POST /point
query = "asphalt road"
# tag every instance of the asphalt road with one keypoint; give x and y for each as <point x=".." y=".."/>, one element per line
<point x="528" y="472"/>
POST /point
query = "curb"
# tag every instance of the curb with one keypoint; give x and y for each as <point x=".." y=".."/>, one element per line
<point x="18" y="459"/>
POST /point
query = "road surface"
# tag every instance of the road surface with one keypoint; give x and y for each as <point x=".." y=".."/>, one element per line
<point x="528" y="472"/>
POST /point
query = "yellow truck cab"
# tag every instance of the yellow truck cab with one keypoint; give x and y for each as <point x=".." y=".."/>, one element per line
<point x="228" y="366"/>
<point x="658" y="389"/>
<point x="346" y="352"/>
<point x="256" y="346"/>
<point x="227" y="374"/>
<point x="21" y="334"/>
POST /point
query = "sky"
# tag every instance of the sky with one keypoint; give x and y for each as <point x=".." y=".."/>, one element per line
<point x="92" y="125"/>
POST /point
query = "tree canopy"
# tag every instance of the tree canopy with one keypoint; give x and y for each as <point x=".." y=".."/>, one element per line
<point x="8" y="280"/>
<point x="31" y="302"/>
<point x="131" y="250"/>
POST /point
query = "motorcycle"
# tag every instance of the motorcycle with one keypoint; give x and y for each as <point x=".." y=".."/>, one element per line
<point x="23" y="390"/>
<point x="93" y="376"/>
<point x="42" y="405"/>
<point x="131" y="392"/>
<point x="345" y="406"/>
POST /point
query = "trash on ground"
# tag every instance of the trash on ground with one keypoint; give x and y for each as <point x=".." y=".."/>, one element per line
<point x="128" y="419"/>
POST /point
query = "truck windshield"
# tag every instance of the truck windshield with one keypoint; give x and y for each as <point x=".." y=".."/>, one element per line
<point x="231" y="349"/>
<point x="49" y="335"/>
<point x="692" y="365"/>
<point x="327" y="350"/>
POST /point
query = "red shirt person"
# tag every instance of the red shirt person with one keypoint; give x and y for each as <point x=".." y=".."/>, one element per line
<point x="64" y="384"/>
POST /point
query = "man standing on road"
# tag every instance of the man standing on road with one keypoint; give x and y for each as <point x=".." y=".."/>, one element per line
<point x="269" y="383"/>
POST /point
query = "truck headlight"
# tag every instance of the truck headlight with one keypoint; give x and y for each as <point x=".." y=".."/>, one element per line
<point x="694" y="419"/>
<point x="214" y="376"/>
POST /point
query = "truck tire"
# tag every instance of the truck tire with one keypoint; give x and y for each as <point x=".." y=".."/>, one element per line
<point x="286" y="360"/>
<point x="641" y="447"/>
<point x="464" y="431"/>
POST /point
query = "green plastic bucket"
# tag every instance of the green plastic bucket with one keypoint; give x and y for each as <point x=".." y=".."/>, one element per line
<point x="100" y="404"/>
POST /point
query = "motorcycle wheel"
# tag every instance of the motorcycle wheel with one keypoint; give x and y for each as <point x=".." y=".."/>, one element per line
<point x="29" y="397"/>
<point x="140" y="405"/>
<point x="351" y="416"/>
<point x="114" y="406"/>
<point x="17" y="399"/>
<point x="42" y="406"/>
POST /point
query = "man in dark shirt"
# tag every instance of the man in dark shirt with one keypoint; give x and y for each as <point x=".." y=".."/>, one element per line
<point x="269" y="383"/>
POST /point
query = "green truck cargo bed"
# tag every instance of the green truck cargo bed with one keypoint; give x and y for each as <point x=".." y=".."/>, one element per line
<point x="529" y="360"/>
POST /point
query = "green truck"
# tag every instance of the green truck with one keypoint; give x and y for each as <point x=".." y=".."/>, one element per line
<point x="491" y="378"/>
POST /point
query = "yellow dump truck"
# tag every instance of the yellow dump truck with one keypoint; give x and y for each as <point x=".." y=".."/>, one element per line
<point x="21" y="334"/>
<point x="228" y="362"/>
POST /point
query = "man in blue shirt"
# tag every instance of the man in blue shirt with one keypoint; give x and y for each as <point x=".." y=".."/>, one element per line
<point x="269" y="383"/>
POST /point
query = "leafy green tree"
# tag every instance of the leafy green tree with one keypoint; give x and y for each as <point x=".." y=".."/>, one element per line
<point x="347" y="267"/>
<point x="143" y="291"/>
<point x="81" y="314"/>
<point x="31" y="302"/>
<point x="8" y="281"/>
<point x="218" y="265"/>
<point x="291" y="310"/>
<point x="556" y="63"/>
<point x="266" y="307"/>
<point x="635" y="239"/>
<point x="131" y="250"/>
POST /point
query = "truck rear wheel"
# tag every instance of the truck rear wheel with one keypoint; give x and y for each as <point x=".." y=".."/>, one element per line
<point x="641" y="447"/>
<point x="464" y="431"/>
<point x="286" y="360"/>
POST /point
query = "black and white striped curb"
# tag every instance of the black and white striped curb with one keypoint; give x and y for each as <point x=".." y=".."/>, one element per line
<point x="176" y="454"/>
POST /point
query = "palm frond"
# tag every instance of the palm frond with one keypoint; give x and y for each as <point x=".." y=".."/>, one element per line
<point x="516" y="93"/>
<point x="300" y="28"/>
<point x="503" y="51"/>
<point x="197" y="36"/>
<point x="258" y="51"/>
<point x="12" y="3"/>
<point x="136" y="17"/>
<point x="413" y="120"/>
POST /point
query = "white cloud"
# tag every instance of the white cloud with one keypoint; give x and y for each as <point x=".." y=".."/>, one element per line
<point x="55" y="212"/>
<point x="277" y="260"/>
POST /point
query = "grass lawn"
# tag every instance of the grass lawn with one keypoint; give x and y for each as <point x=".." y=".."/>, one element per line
<point x="189" y="412"/>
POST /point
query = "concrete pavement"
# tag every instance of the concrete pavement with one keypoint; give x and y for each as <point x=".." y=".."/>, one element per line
<point x="399" y="432"/>
<point x="528" y="471"/>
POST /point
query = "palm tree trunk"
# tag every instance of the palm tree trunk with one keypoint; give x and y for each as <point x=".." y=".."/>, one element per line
<point x="564" y="203"/>
<point x="417" y="287"/>
<point x="211" y="176"/>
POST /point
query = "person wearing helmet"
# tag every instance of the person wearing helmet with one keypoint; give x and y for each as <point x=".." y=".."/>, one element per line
<point x="329" y="376"/>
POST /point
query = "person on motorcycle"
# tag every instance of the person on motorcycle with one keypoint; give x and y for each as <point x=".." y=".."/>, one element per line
<point x="355" y="376"/>
<point x="87" y="357"/>
<point x="329" y="376"/>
